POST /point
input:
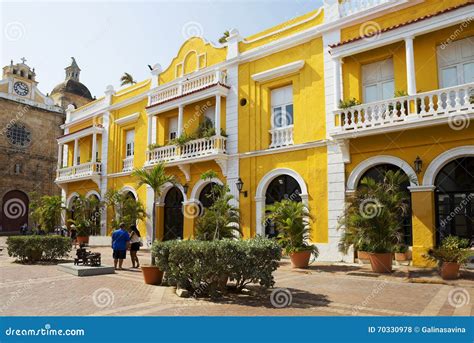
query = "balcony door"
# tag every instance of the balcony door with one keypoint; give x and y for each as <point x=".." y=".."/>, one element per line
<point x="456" y="62"/>
<point x="130" y="143"/>
<point x="172" y="128"/>
<point x="378" y="81"/>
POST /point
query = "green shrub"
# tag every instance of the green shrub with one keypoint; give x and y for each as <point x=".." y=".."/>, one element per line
<point x="35" y="248"/>
<point x="453" y="249"/>
<point x="201" y="266"/>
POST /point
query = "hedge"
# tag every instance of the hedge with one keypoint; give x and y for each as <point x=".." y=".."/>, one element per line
<point x="35" y="248"/>
<point x="203" y="267"/>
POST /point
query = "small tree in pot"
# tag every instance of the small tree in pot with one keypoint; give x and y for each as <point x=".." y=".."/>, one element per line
<point x="452" y="253"/>
<point x="293" y="222"/>
<point x="374" y="217"/>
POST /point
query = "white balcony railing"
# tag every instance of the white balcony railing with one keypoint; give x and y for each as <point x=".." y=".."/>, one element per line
<point x="348" y="7"/>
<point x="439" y="103"/>
<point x="187" y="86"/>
<point x="127" y="164"/>
<point x="194" y="149"/>
<point x="281" y="136"/>
<point x="79" y="171"/>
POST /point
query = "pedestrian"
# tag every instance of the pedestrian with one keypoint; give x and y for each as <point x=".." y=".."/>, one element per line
<point x="120" y="243"/>
<point x="73" y="234"/>
<point x="136" y="242"/>
<point x="24" y="229"/>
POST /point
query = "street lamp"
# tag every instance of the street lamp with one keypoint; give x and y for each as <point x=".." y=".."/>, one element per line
<point x="418" y="163"/>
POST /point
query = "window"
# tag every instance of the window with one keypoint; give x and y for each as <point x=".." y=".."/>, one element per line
<point x="456" y="62"/>
<point x="282" y="107"/>
<point x="130" y="143"/>
<point x="173" y="128"/>
<point x="18" y="135"/>
<point x="377" y="81"/>
<point x="210" y="114"/>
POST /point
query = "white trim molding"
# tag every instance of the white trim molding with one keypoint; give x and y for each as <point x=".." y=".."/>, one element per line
<point x="274" y="73"/>
<point x="127" y="119"/>
<point x="362" y="167"/>
<point x="166" y="187"/>
<point x="129" y="189"/>
<point x="441" y="160"/>
<point x="199" y="186"/>
<point x="414" y="189"/>
<point x="262" y="189"/>
<point x="93" y="192"/>
<point x="70" y="199"/>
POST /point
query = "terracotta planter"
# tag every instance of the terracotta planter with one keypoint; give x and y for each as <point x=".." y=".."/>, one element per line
<point x="363" y="255"/>
<point x="381" y="263"/>
<point x="300" y="259"/>
<point x="401" y="256"/>
<point x="82" y="239"/>
<point x="449" y="270"/>
<point x="152" y="275"/>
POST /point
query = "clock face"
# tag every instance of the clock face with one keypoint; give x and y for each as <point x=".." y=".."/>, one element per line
<point x="21" y="88"/>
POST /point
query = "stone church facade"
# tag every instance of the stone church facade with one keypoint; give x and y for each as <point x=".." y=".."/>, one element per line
<point x="30" y="122"/>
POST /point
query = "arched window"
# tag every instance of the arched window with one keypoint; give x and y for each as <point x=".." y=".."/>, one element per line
<point x="455" y="199"/>
<point x="207" y="195"/>
<point x="174" y="219"/>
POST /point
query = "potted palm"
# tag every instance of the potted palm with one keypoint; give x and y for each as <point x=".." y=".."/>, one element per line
<point x="155" y="178"/>
<point x="372" y="216"/>
<point x="401" y="253"/>
<point x="292" y="220"/>
<point x="452" y="253"/>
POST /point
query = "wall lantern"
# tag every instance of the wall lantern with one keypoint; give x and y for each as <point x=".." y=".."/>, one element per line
<point x="418" y="164"/>
<point x="240" y="186"/>
<point x="185" y="188"/>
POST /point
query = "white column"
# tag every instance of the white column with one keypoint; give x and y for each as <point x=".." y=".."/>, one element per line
<point x="60" y="155"/>
<point x="76" y="152"/>
<point x="180" y="120"/>
<point x="337" y="82"/>
<point x="94" y="147"/>
<point x="150" y="129"/>
<point x="410" y="57"/>
<point x="217" y="119"/>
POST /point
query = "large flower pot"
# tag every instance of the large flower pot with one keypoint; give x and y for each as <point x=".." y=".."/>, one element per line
<point x="300" y="259"/>
<point x="82" y="239"/>
<point x="449" y="270"/>
<point x="381" y="262"/>
<point x="152" y="275"/>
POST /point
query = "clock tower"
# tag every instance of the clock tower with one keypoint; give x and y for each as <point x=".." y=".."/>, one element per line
<point x="30" y="122"/>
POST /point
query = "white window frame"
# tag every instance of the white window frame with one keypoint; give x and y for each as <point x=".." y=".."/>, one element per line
<point x="281" y="105"/>
<point x="172" y="131"/>
<point x="459" y="62"/>
<point x="130" y="143"/>
<point x="379" y="82"/>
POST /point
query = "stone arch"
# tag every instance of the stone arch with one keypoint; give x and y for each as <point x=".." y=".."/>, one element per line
<point x="198" y="187"/>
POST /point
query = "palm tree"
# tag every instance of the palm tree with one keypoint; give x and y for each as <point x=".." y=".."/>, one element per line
<point x="156" y="178"/>
<point x="224" y="37"/>
<point x="127" y="79"/>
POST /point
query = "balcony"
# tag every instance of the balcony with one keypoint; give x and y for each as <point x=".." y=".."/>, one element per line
<point x="128" y="164"/>
<point x="188" y="86"/>
<point x="452" y="105"/>
<point x="196" y="150"/>
<point x="89" y="170"/>
<point x="349" y="7"/>
<point x="281" y="136"/>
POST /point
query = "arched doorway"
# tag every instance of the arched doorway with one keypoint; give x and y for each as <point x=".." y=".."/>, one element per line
<point x="95" y="214"/>
<point x="14" y="211"/>
<point x="377" y="173"/>
<point x="455" y="199"/>
<point x="173" y="220"/>
<point x="207" y="196"/>
<point x="280" y="188"/>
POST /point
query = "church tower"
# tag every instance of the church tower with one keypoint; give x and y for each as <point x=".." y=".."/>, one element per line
<point x="71" y="91"/>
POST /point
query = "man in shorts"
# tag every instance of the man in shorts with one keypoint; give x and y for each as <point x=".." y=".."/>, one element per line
<point x="120" y="242"/>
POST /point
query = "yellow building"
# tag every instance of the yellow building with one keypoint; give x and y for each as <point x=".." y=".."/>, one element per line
<point x="280" y="130"/>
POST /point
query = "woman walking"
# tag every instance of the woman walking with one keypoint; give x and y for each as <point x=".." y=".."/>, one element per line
<point x="135" y="241"/>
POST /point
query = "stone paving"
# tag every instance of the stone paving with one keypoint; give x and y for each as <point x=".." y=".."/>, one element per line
<point x="321" y="290"/>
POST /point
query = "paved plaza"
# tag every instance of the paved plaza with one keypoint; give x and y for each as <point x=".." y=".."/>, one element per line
<point x="321" y="290"/>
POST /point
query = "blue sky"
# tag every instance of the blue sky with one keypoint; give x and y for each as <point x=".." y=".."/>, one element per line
<point x="108" y="38"/>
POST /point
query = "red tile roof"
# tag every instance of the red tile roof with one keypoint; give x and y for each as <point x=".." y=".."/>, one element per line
<point x="428" y="16"/>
